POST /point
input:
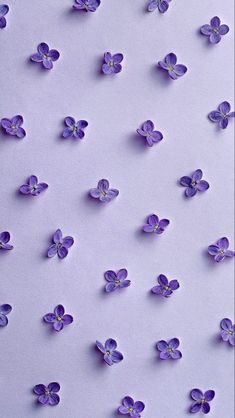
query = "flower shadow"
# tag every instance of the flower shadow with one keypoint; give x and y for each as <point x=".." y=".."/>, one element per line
<point x="137" y="142"/>
<point x="160" y="75"/>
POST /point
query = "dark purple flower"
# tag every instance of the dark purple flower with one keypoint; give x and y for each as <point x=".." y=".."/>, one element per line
<point x="155" y="225"/>
<point x="227" y="331"/>
<point x="111" y="355"/>
<point x="201" y="400"/>
<point x="116" y="280"/>
<point x="74" y="129"/>
<point x="215" y="30"/>
<point x="4" y="311"/>
<point x="58" y="319"/>
<point x="147" y="130"/>
<point x="169" y="350"/>
<point x="87" y="5"/>
<point x="60" y="245"/>
<point x="112" y="63"/>
<point x="169" y="64"/>
<point x="161" y="5"/>
<point x="220" y="250"/>
<point x="13" y="126"/>
<point x="4" y="9"/>
<point x="131" y="408"/>
<point x="45" y="56"/>
<point x="194" y="183"/>
<point x="103" y="192"/>
<point x="33" y="187"/>
<point x="222" y="115"/>
<point x="47" y="395"/>
<point x="4" y="239"/>
<point x="165" y="288"/>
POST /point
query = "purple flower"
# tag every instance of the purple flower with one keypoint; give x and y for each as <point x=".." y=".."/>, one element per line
<point x="4" y="311"/>
<point x="194" y="183"/>
<point x="112" y="63"/>
<point x="227" y="331"/>
<point x="169" y="64"/>
<point x="111" y="355"/>
<point x="215" y="30"/>
<point x="169" y="350"/>
<point x="220" y="250"/>
<point x="74" y="129"/>
<point x="60" y="245"/>
<point x="13" y="126"/>
<point x="47" y="395"/>
<point x="103" y="192"/>
<point x="45" y="56"/>
<point x="58" y="319"/>
<point x="201" y="400"/>
<point x="116" y="280"/>
<point x="147" y="130"/>
<point x="222" y="115"/>
<point x="161" y="5"/>
<point x="165" y="288"/>
<point x="4" y="9"/>
<point x="33" y="187"/>
<point x="155" y="225"/>
<point x="87" y="5"/>
<point x="4" y="239"/>
<point x="131" y="408"/>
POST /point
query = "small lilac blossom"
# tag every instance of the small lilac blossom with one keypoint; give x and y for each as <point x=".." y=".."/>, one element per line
<point x="4" y="9"/>
<point x="222" y="115"/>
<point x="161" y="5"/>
<point x="4" y="311"/>
<point x="168" y="350"/>
<point x="111" y="355"/>
<point x="58" y="319"/>
<point x="227" y="331"/>
<point x="155" y="225"/>
<point x="215" y="30"/>
<point x="220" y="250"/>
<point x="4" y="239"/>
<point x="147" y="131"/>
<point x="47" y="395"/>
<point x="73" y="128"/>
<point x="103" y="192"/>
<point x="45" y="56"/>
<point x="112" y="63"/>
<point x="86" y="5"/>
<point x="194" y="183"/>
<point x="13" y="126"/>
<point x="201" y="400"/>
<point x="165" y="288"/>
<point x="60" y="245"/>
<point x="131" y="408"/>
<point x="169" y="64"/>
<point x="116" y="280"/>
<point x="33" y="187"/>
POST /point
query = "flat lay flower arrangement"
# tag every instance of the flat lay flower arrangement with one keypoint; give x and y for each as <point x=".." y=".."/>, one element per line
<point x="60" y="246"/>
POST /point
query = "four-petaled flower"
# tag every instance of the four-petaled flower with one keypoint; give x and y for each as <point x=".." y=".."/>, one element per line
<point x="58" y="319"/>
<point x="201" y="400"/>
<point x="165" y="288"/>
<point x="45" y="56"/>
<point x="222" y="115"/>
<point x="60" y="245"/>
<point x="116" y="280"/>
<point x="13" y="126"/>
<point x="227" y="331"/>
<point x="147" y="130"/>
<point x="87" y="5"/>
<point x="33" y="187"/>
<point x="131" y="408"/>
<point x="75" y="129"/>
<point x="47" y="395"/>
<point x="103" y="192"/>
<point x="219" y="250"/>
<point x="194" y="183"/>
<point x="168" y="350"/>
<point x="4" y="311"/>
<point x="169" y="64"/>
<point x="4" y="9"/>
<point x="155" y="225"/>
<point x="4" y="239"/>
<point x="161" y="5"/>
<point x="112" y="63"/>
<point x="215" y="30"/>
<point x="111" y="355"/>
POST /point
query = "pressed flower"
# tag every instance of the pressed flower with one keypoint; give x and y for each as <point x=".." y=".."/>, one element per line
<point x="111" y="355"/>
<point x="45" y="56"/>
<point x="194" y="183"/>
<point x="86" y="5"/>
<point x="33" y="187"/>
<point x="112" y="63"/>
<point x="103" y="192"/>
<point x="215" y="30"/>
<point x="60" y="245"/>
<point x="58" y="319"/>
<point x="4" y="239"/>
<point x="13" y="126"/>
<point x="169" y="64"/>
<point x="165" y="288"/>
<point x="147" y="131"/>
<point x="73" y="128"/>
<point x="222" y="115"/>
<point x="4" y="9"/>
<point x="220" y="250"/>
<point x="131" y="408"/>
<point x="227" y="331"/>
<point x="201" y="400"/>
<point x="161" y="5"/>
<point x="47" y="395"/>
<point x="4" y="311"/>
<point x="168" y="350"/>
<point x="116" y="280"/>
<point x="155" y="225"/>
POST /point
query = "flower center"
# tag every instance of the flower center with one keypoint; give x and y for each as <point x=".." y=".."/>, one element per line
<point x="170" y="68"/>
<point x="169" y="350"/>
<point x="110" y="63"/>
<point x="231" y="332"/>
<point x="117" y="281"/>
<point x="59" y="318"/>
<point x="215" y="30"/>
<point x="156" y="227"/>
<point x="13" y="126"/>
<point x="222" y="251"/>
<point x="194" y="183"/>
<point x="130" y="409"/>
<point x="166" y="287"/>
<point x="47" y="392"/>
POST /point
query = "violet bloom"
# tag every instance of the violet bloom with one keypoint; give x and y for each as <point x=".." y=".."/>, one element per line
<point x="4" y="239"/>
<point x="194" y="183"/>
<point x="112" y="63"/>
<point x="165" y="288"/>
<point x="219" y="250"/>
<point x="201" y="400"/>
<point x="169" y="350"/>
<point x="222" y="115"/>
<point x="116" y="280"/>
<point x="73" y="128"/>
<point x="33" y="187"/>
<point x="215" y="30"/>
<point x="58" y="319"/>
<point x="131" y="408"/>
<point x="60" y="245"/>
<point x="147" y="131"/>
<point x="4" y="311"/>
<point x="45" y="56"/>
<point x="169" y="64"/>
<point x="227" y="331"/>
<point x="111" y="355"/>
<point x="86" y="5"/>
<point x="13" y="126"/>
<point x="47" y="395"/>
<point x="161" y="5"/>
<point x="4" y="9"/>
<point x="103" y="192"/>
<point x="155" y="225"/>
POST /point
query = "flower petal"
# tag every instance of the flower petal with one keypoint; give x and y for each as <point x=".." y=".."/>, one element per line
<point x="123" y="410"/>
<point x="52" y="251"/>
<point x="103" y="185"/>
<point x="215" y="38"/>
<point x="54" y="55"/>
<point x="231" y="339"/>
<point x="125" y="283"/>
<point x="95" y="193"/>
<point x="197" y="175"/>
<point x="148" y="126"/>
<point x="156" y="136"/>
<point x="153" y="220"/>
<point x="139" y="406"/>
<point x="116" y="356"/>
<point x="58" y="325"/>
<point x="163" y="223"/>
<point x="43" y="48"/>
<point x="54" y="387"/>
<point x="230" y="253"/>
<point x="196" y="394"/>
<point x="171" y="59"/>
<point x="100" y="346"/>
<point x="203" y="185"/>
<point x="223" y="29"/>
<point x="153" y="4"/>
<point x="110" y="276"/>
<point x="68" y="242"/>
<point x="206" y="30"/>
<point x="162" y="345"/>
<point x="180" y="70"/>
<point x="111" y="194"/>
<point x="50" y="317"/>
<point x="174" y="343"/>
<point x="224" y="107"/>
<point x="67" y="132"/>
<point x="215" y="22"/>
<point x="57" y="237"/>
<point x="107" y="69"/>
<point x="213" y="249"/>
<point x="43" y="399"/>
<point x="174" y="284"/>
<point x="196" y="406"/>
<point x="185" y="181"/>
<point x="36" y="57"/>
<point x="110" y="345"/>
<point x="4" y="9"/>
<point x="122" y="274"/>
<point x="47" y="63"/>
<point x="39" y="389"/>
<point x="225" y="324"/>
<point x="223" y="123"/>
<point x="157" y="290"/>
<point x="215" y="116"/>
<point x="82" y="124"/>
<point x="206" y="407"/>
<point x="54" y="399"/>
<point x="163" y="6"/>
<point x="223" y="243"/>
<point x="164" y="355"/>
<point x="148" y="228"/>
<point x="128" y="402"/>
<point x="6" y="123"/>
<point x="190" y="191"/>
<point x="108" y="359"/>
<point x="5" y="309"/>
<point x="209" y="395"/>
<point x="67" y="319"/>
<point x="3" y="320"/>
<point x="117" y="58"/>
<point x="162" y="279"/>
<point x="4" y="237"/>
<point x="59" y="310"/>
<point x="69" y="121"/>
<point x="219" y="258"/>
<point x="176" y="354"/>
<point x="3" y="22"/>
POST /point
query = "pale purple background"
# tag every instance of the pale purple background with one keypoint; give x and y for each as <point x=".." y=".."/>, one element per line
<point x="108" y="237"/>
